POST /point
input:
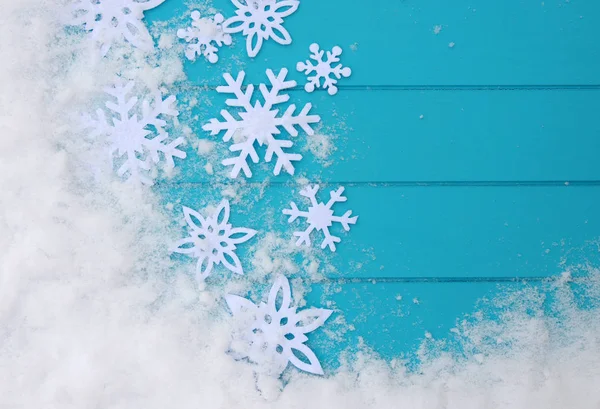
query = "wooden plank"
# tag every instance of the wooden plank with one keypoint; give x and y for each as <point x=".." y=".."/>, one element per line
<point x="393" y="43"/>
<point x="395" y="319"/>
<point x="378" y="136"/>
<point x="416" y="232"/>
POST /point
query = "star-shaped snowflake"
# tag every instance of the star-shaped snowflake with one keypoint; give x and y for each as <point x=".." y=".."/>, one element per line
<point x="111" y="21"/>
<point x="323" y="69"/>
<point x="320" y="217"/>
<point x="261" y="20"/>
<point x="201" y="36"/>
<point x="213" y="240"/>
<point x="260" y="122"/>
<point x="272" y="334"/>
<point x="128" y="133"/>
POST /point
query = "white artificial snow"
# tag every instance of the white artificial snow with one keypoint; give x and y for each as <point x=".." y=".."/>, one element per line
<point x="272" y="334"/>
<point x="261" y="20"/>
<point x="320" y="216"/>
<point x="128" y="133"/>
<point x="112" y="21"/>
<point x="213" y="240"/>
<point x="91" y="313"/>
<point x="260" y="123"/>
<point x="323" y="69"/>
<point x="204" y="37"/>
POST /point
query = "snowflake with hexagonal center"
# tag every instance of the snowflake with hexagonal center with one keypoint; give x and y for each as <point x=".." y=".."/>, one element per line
<point x="260" y="122"/>
<point x="323" y="69"/>
<point x="205" y="35"/>
<point x="261" y="20"/>
<point x="273" y="334"/>
<point x="128" y="133"/>
<point x="111" y="21"/>
<point x="213" y="240"/>
<point x="320" y="216"/>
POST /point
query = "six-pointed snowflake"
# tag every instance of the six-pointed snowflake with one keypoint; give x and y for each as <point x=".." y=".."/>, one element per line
<point x="272" y="334"/>
<point x="201" y="36"/>
<point x="260" y="20"/>
<point x="111" y="21"/>
<point x="260" y="123"/>
<point x="213" y="240"/>
<point x="323" y="69"/>
<point x="320" y="217"/>
<point x="128" y="132"/>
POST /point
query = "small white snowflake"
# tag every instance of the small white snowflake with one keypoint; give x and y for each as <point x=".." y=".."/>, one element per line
<point x="201" y="36"/>
<point x="320" y="217"/>
<point x="323" y="69"/>
<point x="127" y="132"/>
<point x="272" y="336"/>
<point x="212" y="240"/>
<point x="111" y="21"/>
<point x="261" y="20"/>
<point x="260" y="123"/>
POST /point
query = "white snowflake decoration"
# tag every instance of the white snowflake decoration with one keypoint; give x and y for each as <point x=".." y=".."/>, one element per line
<point x="272" y="334"/>
<point x="128" y="133"/>
<point x="213" y="240"/>
<point x="323" y="69"/>
<point x="320" y="217"/>
<point x="260" y="123"/>
<point x="111" y="21"/>
<point x="261" y="20"/>
<point x="201" y="36"/>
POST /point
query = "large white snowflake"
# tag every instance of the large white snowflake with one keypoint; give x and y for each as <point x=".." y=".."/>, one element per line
<point x="204" y="36"/>
<point x="212" y="240"/>
<point x="260" y="123"/>
<point x="261" y="20"/>
<point x="323" y="69"/>
<point x="272" y="334"/>
<point x="111" y="21"/>
<point x="128" y="133"/>
<point x="320" y="216"/>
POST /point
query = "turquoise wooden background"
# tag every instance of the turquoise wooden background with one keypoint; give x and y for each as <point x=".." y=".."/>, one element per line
<point x="498" y="181"/>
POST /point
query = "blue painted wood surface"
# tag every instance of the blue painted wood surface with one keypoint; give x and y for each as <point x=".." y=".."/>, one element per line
<point x="499" y="178"/>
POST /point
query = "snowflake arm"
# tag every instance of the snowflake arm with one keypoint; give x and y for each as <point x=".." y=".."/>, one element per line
<point x="110" y="21"/>
<point x="204" y="37"/>
<point x="320" y="216"/>
<point x="260" y="123"/>
<point x="212" y="241"/>
<point x="323" y="69"/>
<point x="260" y="20"/>
<point x="273" y="334"/>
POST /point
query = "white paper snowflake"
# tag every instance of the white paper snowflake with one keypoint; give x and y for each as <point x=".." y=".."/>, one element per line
<point x="260" y="123"/>
<point x="204" y="36"/>
<point x="323" y="69"/>
<point x="212" y="240"/>
<point x="127" y="133"/>
<point x="320" y="217"/>
<point x="111" y="21"/>
<point x="272" y="334"/>
<point x="261" y="20"/>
